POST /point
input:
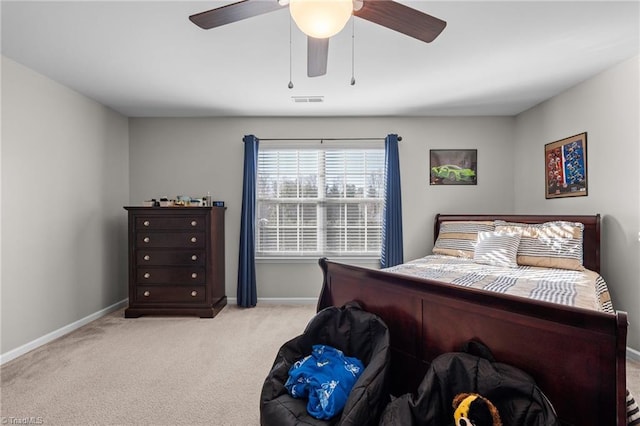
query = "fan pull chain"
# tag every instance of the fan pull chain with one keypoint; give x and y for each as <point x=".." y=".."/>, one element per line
<point x="353" y="49"/>
<point x="290" y="85"/>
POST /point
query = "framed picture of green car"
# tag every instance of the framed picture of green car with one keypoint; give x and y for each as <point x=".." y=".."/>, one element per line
<point x="453" y="166"/>
<point x="566" y="167"/>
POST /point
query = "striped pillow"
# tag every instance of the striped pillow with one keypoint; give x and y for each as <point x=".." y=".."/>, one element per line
<point x="548" y="245"/>
<point x="458" y="238"/>
<point x="497" y="249"/>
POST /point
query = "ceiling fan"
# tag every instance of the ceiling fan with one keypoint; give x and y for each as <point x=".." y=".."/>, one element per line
<point x="387" y="13"/>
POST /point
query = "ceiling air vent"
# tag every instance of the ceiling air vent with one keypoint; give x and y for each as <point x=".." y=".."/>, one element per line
<point x="307" y="99"/>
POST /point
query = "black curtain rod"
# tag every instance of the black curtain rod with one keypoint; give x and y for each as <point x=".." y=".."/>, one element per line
<point x="325" y="139"/>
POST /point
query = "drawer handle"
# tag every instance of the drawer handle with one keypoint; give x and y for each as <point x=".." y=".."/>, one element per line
<point x="145" y="223"/>
<point x="194" y="257"/>
<point x="147" y="275"/>
<point x="146" y="257"/>
<point x="194" y="239"/>
<point x="194" y="293"/>
<point x="145" y="239"/>
<point x="194" y="275"/>
<point x="146" y="293"/>
<point x="194" y="223"/>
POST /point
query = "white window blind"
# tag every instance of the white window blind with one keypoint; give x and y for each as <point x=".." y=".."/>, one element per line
<point x="316" y="202"/>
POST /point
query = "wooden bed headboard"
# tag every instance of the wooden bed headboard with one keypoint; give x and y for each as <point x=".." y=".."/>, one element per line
<point x="590" y="238"/>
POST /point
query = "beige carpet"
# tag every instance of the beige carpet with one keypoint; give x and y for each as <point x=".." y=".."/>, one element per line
<point x="153" y="370"/>
<point x="158" y="370"/>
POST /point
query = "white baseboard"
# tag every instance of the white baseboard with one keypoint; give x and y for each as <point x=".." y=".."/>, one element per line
<point x="280" y="300"/>
<point x="12" y="354"/>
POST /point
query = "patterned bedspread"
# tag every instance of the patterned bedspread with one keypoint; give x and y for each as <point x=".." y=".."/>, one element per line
<point x="584" y="289"/>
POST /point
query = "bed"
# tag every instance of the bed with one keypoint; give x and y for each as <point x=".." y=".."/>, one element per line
<point x="575" y="354"/>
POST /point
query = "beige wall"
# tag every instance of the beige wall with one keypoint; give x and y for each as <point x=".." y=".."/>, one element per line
<point x="193" y="156"/>
<point x="607" y="107"/>
<point x="65" y="175"/>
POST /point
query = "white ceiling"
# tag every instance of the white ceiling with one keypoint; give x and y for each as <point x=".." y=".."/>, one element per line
<point x="145" y="58"/>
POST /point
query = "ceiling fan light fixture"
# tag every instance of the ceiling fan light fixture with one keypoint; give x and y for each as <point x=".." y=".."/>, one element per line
<point x="321" y="18"/>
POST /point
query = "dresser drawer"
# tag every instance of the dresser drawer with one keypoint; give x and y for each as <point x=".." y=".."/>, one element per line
<point x="170" y="257"/>
<point x="170" y="294"/>
<point x="171" y="275"/>
<point x="170" y="239"/>
<point x="170" y="222"/>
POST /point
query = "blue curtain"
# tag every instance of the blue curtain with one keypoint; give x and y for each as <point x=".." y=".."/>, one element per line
<point x="392" y="214"/>
<point x="247" y="293"/>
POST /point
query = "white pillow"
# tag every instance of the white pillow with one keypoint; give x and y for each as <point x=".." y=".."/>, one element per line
<point x="497" y="249"/>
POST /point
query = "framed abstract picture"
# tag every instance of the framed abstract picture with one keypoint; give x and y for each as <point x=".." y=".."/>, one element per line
<point x="566" y="167"/>
<point x="453" y="166"/>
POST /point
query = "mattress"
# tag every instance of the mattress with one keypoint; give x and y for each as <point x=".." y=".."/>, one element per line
<point x="583" y="289"/>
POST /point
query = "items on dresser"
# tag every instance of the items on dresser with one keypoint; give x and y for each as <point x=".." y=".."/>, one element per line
<point x="176" y="261"/>
<point x="183" y="201"/>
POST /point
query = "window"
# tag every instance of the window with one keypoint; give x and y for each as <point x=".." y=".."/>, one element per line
<point x="315" y="202"/>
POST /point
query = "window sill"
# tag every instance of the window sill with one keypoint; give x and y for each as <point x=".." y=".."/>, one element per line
<point x="374" y="261"/>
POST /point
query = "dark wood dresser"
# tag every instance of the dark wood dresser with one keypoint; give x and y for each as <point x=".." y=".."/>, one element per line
<point x="176" y="261"/>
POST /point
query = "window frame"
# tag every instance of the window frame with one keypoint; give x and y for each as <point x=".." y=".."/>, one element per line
<point x="322" y="202"/>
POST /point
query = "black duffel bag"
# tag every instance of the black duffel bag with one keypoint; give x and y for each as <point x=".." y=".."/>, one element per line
<point x="514" y="393"/>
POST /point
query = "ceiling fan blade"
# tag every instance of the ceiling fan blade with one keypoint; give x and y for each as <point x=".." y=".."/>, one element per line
<point x="317" y="54"/>
<point x="234" y="12"/>
<point x="401" y="18"/>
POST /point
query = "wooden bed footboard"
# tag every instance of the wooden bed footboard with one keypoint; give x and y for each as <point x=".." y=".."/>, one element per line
<point x="576" y="356"/>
